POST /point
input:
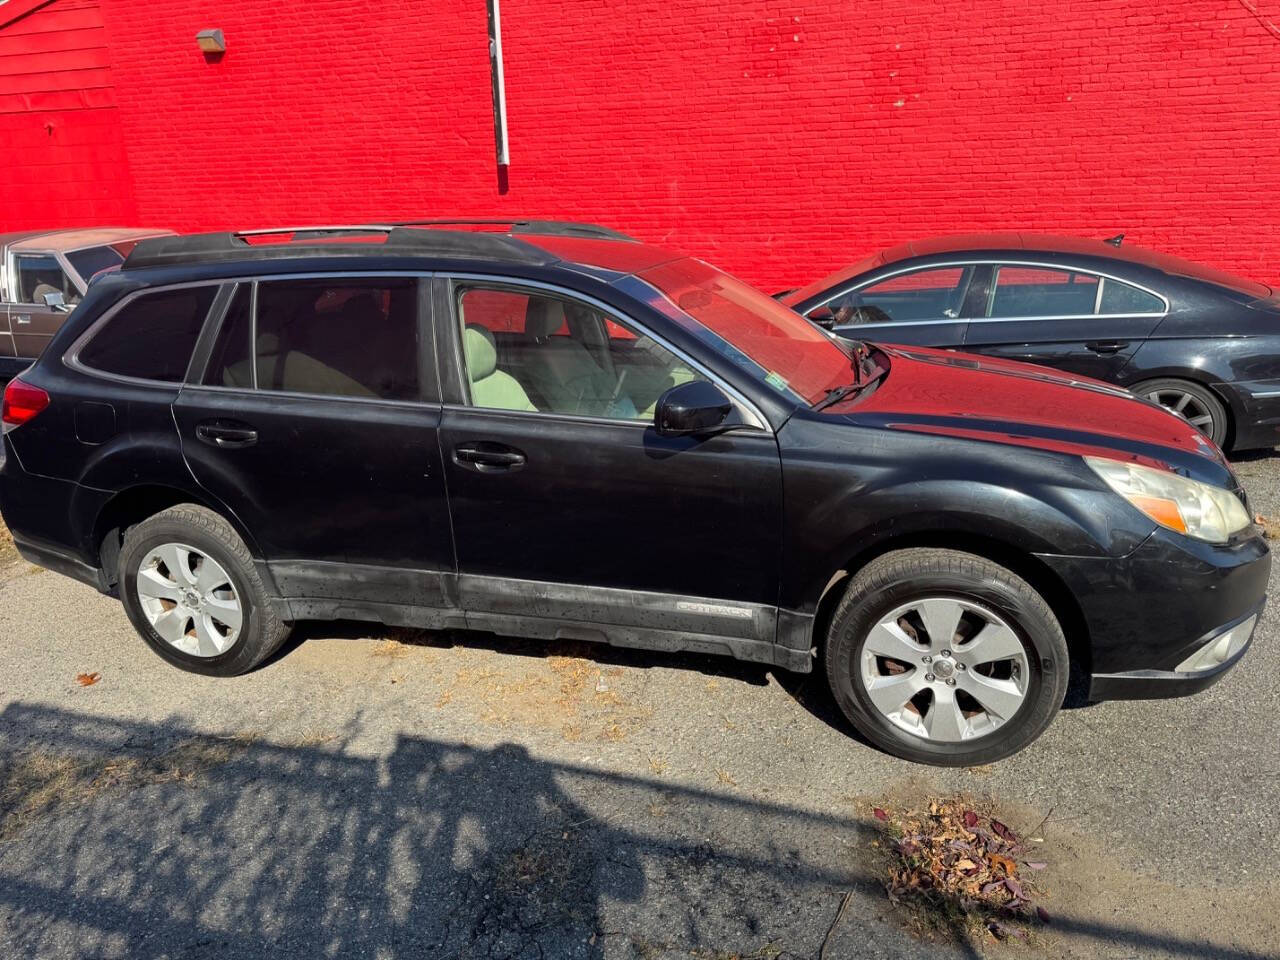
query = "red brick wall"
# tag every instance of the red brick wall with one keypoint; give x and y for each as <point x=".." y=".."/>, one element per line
<point x="62" y="159"/>
<point x="779" y="140"/>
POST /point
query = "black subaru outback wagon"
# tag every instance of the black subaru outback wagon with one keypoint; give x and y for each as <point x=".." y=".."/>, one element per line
<point x="550" y="431"/>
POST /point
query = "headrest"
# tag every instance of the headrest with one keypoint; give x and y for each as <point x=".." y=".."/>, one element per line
<point x="481" y="351"/>
<point x="543" y="317"/>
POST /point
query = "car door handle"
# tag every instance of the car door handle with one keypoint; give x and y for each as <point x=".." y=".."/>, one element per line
<point x="226" y="434"/>
<point x="23" y="318"/>
<point x="1106" y="346"/>
<point x="487" y="457"/>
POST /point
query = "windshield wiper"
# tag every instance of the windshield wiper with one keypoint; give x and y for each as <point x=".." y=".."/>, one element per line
<point x="836" y="394"/>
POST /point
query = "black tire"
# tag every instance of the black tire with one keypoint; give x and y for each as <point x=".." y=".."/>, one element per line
<point x="898" y="578"/>
<point x="1165" y="392"/>
<point x="261" y="631"/>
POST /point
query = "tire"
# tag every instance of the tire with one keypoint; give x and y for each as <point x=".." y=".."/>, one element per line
<point x="201" y="632"/>
<point x="1200" y="407"/>
<point x="1022" y="692"/>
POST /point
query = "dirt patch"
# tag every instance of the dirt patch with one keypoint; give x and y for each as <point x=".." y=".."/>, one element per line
<point x="570" y="693"/>
<point x="41" y="783"/>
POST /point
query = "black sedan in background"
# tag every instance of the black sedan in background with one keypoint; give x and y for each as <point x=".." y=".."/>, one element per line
<point x="1203" y="343"/>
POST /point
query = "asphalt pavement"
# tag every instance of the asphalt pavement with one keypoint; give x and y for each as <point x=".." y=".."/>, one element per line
<point x="371" y="793"/>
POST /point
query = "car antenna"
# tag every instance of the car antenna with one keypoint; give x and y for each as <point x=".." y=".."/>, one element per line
<point x="1116" y="240"/>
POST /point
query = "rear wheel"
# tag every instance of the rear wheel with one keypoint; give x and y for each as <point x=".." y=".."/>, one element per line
<point x="945" y="658"/>
<point x="190" y="589"/>
<point x="1192" y="402"/>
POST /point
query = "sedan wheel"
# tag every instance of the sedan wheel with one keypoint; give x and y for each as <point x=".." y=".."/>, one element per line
<point x="1191" y="402"/>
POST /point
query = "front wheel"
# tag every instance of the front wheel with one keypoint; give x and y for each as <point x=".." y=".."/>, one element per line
<point x="945" y="658"/>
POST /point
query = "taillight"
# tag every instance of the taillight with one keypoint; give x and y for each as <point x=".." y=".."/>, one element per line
<point x="21" y="402"/>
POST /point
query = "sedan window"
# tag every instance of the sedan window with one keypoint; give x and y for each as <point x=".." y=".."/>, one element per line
<point x="39" y="274"/>
<point x="920" y="295"/>
<point x="1043" y="292"/>
<point x="1120" y="297"/>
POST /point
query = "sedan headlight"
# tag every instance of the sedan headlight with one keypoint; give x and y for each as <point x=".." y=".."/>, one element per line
<point x="1197" y="509"/>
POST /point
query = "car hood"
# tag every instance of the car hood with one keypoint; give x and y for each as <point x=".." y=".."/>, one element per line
<point x="1002" y="401"/>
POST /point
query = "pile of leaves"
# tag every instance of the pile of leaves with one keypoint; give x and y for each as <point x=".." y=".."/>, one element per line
<point x="963" y="867"/>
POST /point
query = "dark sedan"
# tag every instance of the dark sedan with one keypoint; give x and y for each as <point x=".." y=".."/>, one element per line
<point x="1203" y="343"/>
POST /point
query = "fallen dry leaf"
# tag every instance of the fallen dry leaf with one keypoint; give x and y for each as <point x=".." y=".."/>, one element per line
<point x="88" y="679"/>
<point x="880" y="814"/>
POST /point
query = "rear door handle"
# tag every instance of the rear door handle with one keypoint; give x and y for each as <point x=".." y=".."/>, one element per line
<point x="487" y="457"/>
<point x="1106" y="346"/>
<point x="226" y="434"/>
<point x="23" y="318"/>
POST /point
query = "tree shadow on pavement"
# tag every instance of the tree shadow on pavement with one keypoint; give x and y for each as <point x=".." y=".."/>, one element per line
<point x="164" y="842"/>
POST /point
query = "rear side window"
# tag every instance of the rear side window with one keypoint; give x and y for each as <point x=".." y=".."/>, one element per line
<point x="1043" y="292"/>
<point x="151" y="337"/>
<point x="341" y="337"/>
<point x="1119" y="297"/>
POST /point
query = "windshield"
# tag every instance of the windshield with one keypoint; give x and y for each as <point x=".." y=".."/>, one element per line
<point x="91" y="260"/>
<point x="753" y="330"/>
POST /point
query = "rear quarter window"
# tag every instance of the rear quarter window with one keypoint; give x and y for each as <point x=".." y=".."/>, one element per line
<point x="152" y="336"/>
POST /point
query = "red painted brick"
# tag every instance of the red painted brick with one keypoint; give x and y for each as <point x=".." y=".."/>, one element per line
<point x="777" y="139"/>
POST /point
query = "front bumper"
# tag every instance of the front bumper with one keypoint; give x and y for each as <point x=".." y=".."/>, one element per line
<point x="1147" y="613"/>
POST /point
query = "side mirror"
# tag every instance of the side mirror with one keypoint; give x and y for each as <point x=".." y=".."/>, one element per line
<point x="56" y="300"/>
<point x="822" y="316"/>
<point x="693" y="407"/>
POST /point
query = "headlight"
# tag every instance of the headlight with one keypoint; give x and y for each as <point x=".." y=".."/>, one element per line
<point x="1197" y="509"/>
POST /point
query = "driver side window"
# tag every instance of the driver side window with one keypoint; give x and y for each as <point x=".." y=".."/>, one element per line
<point x="39" y="274"/>
<point x="931" y="294"/>
<point x="540" y="353"/>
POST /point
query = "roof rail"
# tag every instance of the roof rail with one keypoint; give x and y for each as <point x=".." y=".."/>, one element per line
<point x="327" y="241"/>
<point x="563" y="228"/>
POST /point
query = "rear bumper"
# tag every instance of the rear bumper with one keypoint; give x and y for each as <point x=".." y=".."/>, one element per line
<point x="1148" y="612"/>
<point x="1255" y="408"/>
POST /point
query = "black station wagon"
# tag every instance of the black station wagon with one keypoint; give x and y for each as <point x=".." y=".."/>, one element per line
<point x="1200" y="342"/>
<point x="550" y="431"/>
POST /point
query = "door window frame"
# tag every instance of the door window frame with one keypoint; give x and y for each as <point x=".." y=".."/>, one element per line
<point x="453" y="374"/>
<point x="905" y="271"/>
<point x="63" y="265"/>
<point x="996" y="264"/>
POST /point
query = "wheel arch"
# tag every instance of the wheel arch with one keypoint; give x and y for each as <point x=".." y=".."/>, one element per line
<point x="134" y="504"/>
<point x="1026" y="565"/>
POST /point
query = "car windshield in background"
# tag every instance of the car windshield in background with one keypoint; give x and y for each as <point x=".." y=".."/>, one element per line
<point x="93" y="260"/>
<point x="826" y="283"/>
<point x="753" y="330"/>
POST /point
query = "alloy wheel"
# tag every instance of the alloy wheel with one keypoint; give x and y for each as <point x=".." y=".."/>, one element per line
<point x="189" y="600"/>
<point x="944" y="669"/>
<point x="1186" y="405"/>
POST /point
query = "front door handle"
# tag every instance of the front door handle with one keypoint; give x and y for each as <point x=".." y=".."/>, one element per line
<point x="487" y="457"/>
<point x="1106" y="346"/>
<point x="226" y="434"/>
<point x="23" y="318"/>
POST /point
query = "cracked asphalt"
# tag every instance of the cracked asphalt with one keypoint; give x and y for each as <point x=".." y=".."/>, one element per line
<point x="385" y="794"/>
